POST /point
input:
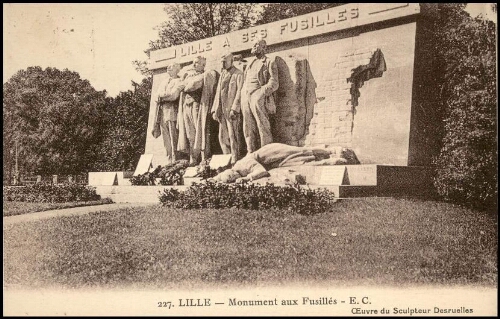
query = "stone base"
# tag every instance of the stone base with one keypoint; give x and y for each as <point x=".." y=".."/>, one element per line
<point x="133" y="194"/>
<point x="360" y="181"/>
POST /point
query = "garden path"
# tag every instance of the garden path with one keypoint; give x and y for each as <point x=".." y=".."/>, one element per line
<point x="68" y="212"/>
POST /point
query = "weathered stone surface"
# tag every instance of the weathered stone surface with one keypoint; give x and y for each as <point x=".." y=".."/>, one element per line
<point x="103" y="178"/>
<point x="333" y="175"/>
<point x="295" y="99"/>
<point x="144" y="164"/>
<point x="220" y="161"/>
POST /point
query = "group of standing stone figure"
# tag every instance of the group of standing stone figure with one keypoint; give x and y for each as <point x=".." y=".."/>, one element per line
<point x="239" y="101"/>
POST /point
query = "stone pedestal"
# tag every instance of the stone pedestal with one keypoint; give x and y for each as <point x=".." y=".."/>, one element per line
<point x="359" y="181"/>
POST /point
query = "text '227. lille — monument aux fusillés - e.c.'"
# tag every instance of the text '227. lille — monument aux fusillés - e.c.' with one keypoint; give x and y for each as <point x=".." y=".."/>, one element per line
<point x="349" y="82"/>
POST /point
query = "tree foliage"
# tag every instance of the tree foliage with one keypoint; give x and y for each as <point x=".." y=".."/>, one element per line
<point x="56" y="117"/>
<point x="277" y="11"/>
<point x="189" y="22"/>
<point x="64" y="126"/>
<point x="467" y="163"/>
<point x="126" y="134"/>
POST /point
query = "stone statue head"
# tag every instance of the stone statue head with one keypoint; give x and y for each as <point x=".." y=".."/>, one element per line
<point x="226" y="60"/>
<point x="173" y="69"/>
<point x="259" y="46"/>
<point x="199" y="63"/>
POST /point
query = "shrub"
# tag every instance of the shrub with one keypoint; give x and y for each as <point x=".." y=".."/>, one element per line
<point x="467" y="164"/>
<point x="249" y="196"/>
<point x="47" y="193"/>
<point x="170" y="174"/>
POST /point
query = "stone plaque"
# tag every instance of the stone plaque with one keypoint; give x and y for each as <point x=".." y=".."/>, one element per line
<point x="220" y="161"/>
<point x="333" y="175"/>
<point x="362" y="174"/>
<point x="144" y="164"/>
<point x="190" y="172"/>
<point x="120" y="177"/>
<point x="103" y="178"/>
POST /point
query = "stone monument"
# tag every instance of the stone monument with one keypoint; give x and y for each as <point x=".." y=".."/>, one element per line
<point x="354" y="76"/>
<point x="321" y="50"/>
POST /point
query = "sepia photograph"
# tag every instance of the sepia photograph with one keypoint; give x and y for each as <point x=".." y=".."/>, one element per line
<point x="250" y="159"/>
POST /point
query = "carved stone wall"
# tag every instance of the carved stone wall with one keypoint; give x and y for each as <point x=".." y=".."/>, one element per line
<point x="333" y="116"/>
<point x="315" y="102"/>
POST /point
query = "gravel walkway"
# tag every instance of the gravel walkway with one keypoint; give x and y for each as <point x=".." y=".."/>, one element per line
<point x="69" y="211"/>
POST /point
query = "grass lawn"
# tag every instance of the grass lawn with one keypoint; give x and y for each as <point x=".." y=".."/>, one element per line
<point x="18" y="208"/>
<point x="376" y="241"/>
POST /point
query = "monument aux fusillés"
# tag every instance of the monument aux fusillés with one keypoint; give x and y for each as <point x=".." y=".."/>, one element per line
<point x="379" y="114"/>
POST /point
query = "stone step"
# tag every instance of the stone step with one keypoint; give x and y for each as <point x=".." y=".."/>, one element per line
<point x="349" y="191"/>
<point x="134" y="194"/>
<point x="126" y="198"/>
<point x="150" y="194"/>
<point x="134" y="190"/>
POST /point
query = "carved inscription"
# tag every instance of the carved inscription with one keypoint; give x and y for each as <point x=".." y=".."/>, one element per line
<point x="320" y="20"/>
<point x="316" y="23"/>
<point x="332" y="175"/>
<point x="194" y="49"/>
<point x="251" y="34"/>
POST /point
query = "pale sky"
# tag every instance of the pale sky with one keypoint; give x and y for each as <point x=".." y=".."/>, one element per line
<point x="99" y="41"/>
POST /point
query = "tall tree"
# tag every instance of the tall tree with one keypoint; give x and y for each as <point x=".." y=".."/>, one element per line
<point x="56" y="118"/>
<point x="194" y="21"/>
<point x="126" y="135"/>
<point x="467" y="165"/>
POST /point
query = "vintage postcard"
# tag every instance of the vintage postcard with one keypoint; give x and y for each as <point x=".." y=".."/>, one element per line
<point x="246" y="159"/>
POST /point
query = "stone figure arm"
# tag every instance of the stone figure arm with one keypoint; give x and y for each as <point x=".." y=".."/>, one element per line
<point x="163" y="88"/>
<point x="236" y="107"/>
<point x="193" y="83"/>
<point x="258" y="171"/>
<point x="273" y="83"/>
<point x="216" y="107"/>
<point x="251" y="169"/>
<point x="172" y="91"/>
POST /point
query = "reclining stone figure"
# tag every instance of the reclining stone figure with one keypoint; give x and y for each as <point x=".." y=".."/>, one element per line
<point x="256" y="165"/>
